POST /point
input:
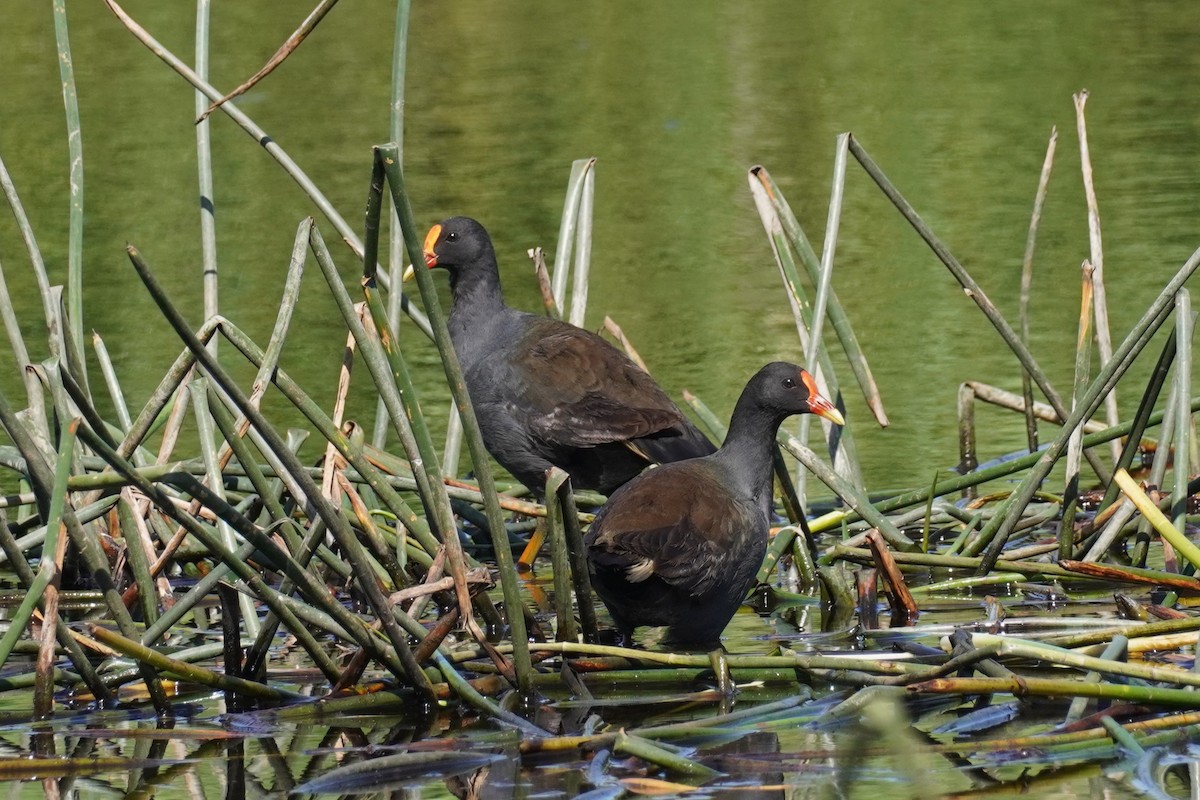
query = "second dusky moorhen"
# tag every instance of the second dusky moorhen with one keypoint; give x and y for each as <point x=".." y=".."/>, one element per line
<point x="680" y="545"/>
<point x="547" y="393"/>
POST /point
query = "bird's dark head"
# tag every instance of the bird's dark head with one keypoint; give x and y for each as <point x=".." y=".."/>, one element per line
<point x="786" y="389"/>
<point x="458" y="242"/>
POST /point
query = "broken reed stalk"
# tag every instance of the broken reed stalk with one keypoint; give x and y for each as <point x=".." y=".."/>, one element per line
<point x="846" y="461"/>
<point x="1157" y="519"/>
<point x="1183" y="429"/>
<point x="824" y="286"/>
<point x="258" y="135"/>
<point x="396" y="260"/>
<point x="656" y="754"/>
<point x="1039" y="200"/>
<point x="236" y="561"/>
<point x="216" y="484"/>
<point x="191" y="672"/>
<point x="575" y="554"/>
<point x="74" y="289"/>
<point x="1096" y="256"/>
<point x="971" y="288"/>
<point x="567" y="631"/>
<point x="138" y="555"/>
<point x="996" y="532"/>
<point x="1083" y="362"/>
<point x="208" y="207"/>
<point x="65" y="636"/>
<point x="51" y="561"/>
<point x="837" y="314"/>
<point x="390" y="373"/>
<point x="331" y="516"/>
<point x="418" y="526"/>
<point x="510" y="588"/>
<point x="87" y="546"/>
<point x="574" y="231"/>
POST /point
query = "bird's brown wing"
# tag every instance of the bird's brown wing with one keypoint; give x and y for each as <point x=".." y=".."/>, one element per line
<point x="676" y="522"/>
<point x="586" y="392"/>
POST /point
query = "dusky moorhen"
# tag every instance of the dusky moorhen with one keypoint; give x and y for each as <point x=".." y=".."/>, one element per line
<point x="680" y="545"/>
<point x="547" y="393"/>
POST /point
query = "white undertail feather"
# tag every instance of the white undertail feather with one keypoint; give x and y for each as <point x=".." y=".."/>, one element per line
<point x="640" y="571"/>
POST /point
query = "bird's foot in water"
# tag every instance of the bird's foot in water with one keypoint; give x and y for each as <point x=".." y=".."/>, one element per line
<point x="616" y="638"/>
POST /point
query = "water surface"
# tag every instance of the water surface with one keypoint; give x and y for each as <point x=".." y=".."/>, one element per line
<point x="677" y="101"/>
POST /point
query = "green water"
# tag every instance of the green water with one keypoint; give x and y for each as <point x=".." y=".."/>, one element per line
<point x="955" y="101"/>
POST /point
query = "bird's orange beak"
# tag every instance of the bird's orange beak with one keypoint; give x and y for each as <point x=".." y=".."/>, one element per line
<point x="818" y="404"/>
<point x="430" y="240"/>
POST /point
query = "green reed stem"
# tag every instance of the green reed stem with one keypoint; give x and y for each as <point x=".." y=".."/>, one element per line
<point x="33" y="389"/>
<point x="66" y="639"/>
<point x="479" y="457"/>
<point x="473" y="698"/>
<point x="1115" y="650"/>
<point x="259" y="135"/>
<point x="837" y="313"/>
<point x="1044" y="687"/>
<point x="204" y="170"/>
<point x="847" y="491"/>
<point x="66" y="71"/>
<point x="54" y="337"/>
<point x="396" y="299"/>
<point x="1128" y="630"/>
<point x="139" y="560"/>
<point x="1141" y="419"/>
<point x="579" y="185"/>
<point x="661" y="756"/>
<point x="1040" y="651"/>
<point x="814" y="346"/>
<point x="250" y="467"/>
<point x="863" y="555"/>
<point x="577" y="556"/>
<point x="115" y="393"/>
<point x="1039" y="200"/>
<point x="237" y="561"/>
<point x="802" y="314"/>
<point x="390" y="374"/>
<point x="996" y="532"/>
<point x="973" y="290"/>
<point x="190" y="672"/>
<point x="205" y="436"/>
<point x="416" y="525"/>
<point x="48" y="569"/>
<point x="1083" y="363"/>
<point x="332" y="518"/>
<point x="86" y="545"/>
<point x="1183" y="428"/>
<point x="568" y="630"/>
